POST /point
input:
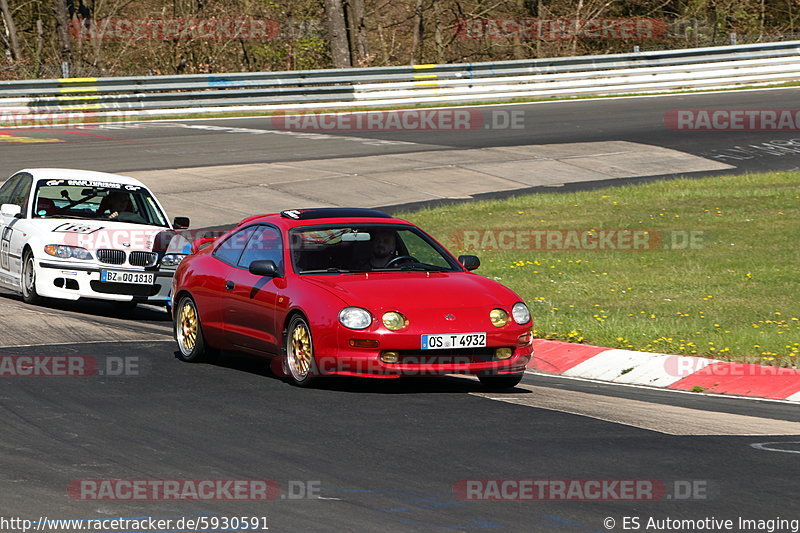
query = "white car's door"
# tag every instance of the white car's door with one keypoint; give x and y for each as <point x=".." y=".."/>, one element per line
<point x="15" y="191"/>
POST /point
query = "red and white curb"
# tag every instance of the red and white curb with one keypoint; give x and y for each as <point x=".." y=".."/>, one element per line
<point x="676" y="372"/>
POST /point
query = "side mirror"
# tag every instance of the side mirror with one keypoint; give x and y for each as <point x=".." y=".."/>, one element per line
<point x="10" y="210"/>
<point x="265" y="268"/>
<point x="470" y="262"/>
<point x="180" y="223"/>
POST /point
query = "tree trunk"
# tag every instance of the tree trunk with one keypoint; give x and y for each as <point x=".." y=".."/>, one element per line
<point x="337" y="33"/>
<point x="359" y="45"/>
<point x="62" y="30"/>
<point x="578" y="24"/>
<point x="438" y="38"/>
<point x="418" y="35"/>
<point x="11" y="29"/>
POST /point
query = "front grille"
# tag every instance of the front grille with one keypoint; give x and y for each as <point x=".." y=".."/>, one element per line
<point x="143" y="259"/>
<point x="457" y="356"/>
<point x="111" y="257"/>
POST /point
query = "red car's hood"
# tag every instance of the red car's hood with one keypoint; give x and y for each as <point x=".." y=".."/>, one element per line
<point x="416" y="290"/>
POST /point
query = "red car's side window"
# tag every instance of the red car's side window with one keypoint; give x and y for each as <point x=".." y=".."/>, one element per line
<point x="265" y="244"/>
<point x="230" y="250"/>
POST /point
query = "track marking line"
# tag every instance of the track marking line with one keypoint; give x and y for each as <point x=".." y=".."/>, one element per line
<point x="124" y="341"/>
<point x="717" y="396"/>
<point x="660" y="418"/>
<point x="765" y="446"/>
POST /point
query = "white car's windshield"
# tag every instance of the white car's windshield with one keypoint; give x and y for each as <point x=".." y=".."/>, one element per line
<point x="95" y="200"/>
<point x="361" y="248"/>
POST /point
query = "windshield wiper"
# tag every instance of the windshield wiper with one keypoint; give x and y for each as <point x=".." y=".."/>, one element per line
<point x="331" y="270"/>
<point x="422" y="266"/>
<point x="65" y="216"/>
<point x="145" y="223"/>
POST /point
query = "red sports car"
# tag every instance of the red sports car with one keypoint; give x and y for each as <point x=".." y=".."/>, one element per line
<point x="348" y="292"/>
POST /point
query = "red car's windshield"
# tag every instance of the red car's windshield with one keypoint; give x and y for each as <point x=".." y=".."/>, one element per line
<point x="365" y="248"/>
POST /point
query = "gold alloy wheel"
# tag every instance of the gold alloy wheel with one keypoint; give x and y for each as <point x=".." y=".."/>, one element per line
<point x="187" y="327"/>
<point x="302" y="351"/>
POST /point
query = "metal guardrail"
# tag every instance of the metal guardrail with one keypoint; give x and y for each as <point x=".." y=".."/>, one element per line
<point x="724" y="66"/>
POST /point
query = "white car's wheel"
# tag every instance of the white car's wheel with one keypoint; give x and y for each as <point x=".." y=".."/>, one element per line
<point x="28" y="282"/>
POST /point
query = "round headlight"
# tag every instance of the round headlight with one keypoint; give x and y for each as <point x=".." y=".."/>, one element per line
<point x="394" y="321"/>
<point x="520" y="313"/>
<point x="498" y="317"/>
<point x="355" y="318"/>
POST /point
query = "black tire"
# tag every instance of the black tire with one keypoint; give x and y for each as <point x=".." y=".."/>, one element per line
<point x="299" y="348"/>
<point x="506" y="381"/>
<point x="188" y="331"/>
<point x="28" y="280"/>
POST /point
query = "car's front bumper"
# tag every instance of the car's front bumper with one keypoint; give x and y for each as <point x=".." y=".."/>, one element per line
<point x="413" y="361"/>
<point x="73" y="281"/>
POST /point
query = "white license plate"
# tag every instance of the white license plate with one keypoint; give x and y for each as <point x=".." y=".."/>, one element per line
<point x="453" y="340"/>
<point x="134" y="278"/>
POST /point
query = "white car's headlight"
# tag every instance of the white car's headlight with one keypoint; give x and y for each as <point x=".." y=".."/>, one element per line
<point x="67" y="252"/>
<point x="355" y="318"/>
<point x="520" y="313"/>
<point x="172" y="260"/>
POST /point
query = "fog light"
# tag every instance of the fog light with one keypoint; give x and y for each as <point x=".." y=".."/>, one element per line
<point x="364" y="343"/>
<point x="394" y="321"/>
<point x="503" y="353"/>
<point x="498" y="317"/>
<point x="390" y="357"/>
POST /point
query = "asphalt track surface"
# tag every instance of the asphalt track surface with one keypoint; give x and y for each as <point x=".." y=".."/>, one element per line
<point x="156" y="146"/>
<point x="385" y="456"/>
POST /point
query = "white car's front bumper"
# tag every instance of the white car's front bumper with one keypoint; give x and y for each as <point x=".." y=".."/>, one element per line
<point x="71" y="280"/>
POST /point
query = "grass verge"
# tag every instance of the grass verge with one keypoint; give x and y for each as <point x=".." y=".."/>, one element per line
<point x="722" y="279"/>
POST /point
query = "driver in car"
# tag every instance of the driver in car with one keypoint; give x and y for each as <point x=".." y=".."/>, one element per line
<point x="383" y="249"/>
<point x="115" y="203"/>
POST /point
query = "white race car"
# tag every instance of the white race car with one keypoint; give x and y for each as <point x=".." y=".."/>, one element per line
<point x="71" y="234"/>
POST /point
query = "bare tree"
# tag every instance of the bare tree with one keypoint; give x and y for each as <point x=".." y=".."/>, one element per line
<point x="62" y="29"/>
<point x="357" y="32"/>
<point x="11" y="30"/>
<point x="337" y="33"/>
<point x="418" y="34"/>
